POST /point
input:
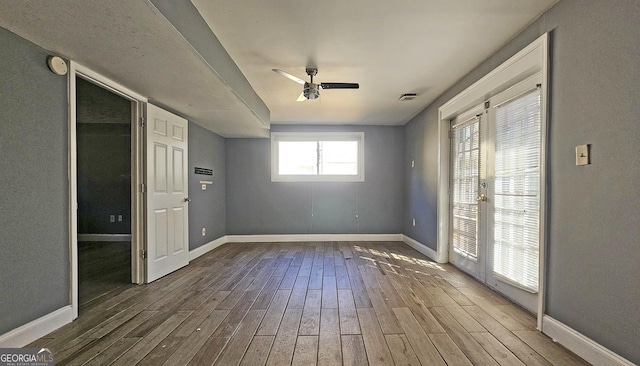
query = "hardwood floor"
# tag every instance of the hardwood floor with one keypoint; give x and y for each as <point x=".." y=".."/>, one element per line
<point x="331" y="303"/>
<point x="104" y="268"/>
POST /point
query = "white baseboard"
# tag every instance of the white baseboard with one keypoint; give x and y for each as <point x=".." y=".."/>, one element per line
<point x="38" y="328"/>
<point x="104" y="237"/>
<point x="275" y="238"/>
<point x="420" y="247"/>
<point x="311" y="237"/>
<point x="204" y="249"/>
<point x="581" y="345"/>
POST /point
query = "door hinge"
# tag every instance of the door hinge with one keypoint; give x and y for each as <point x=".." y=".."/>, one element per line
<point x="142" y="124"/>
<point x="487" y="104"/>
<point x="143" y="188"/>
<point x="143" y="253"/>
<point x="450" y="133"/>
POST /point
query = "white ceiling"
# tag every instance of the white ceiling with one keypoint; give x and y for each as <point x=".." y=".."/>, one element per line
<point x="389" y="47"/>
<point x="132" y="43"/>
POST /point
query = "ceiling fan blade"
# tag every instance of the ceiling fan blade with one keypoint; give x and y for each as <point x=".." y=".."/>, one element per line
<point x="287" y="75"/>
<point x="340" y="85"/>
<point x="301" y="98"/>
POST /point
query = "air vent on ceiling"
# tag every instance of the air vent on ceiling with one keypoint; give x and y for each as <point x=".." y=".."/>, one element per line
<point x="407" y="96"/>
<point x="204" y="171"/>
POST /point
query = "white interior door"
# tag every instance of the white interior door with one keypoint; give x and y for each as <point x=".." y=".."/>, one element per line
<point x="167" y="192"/>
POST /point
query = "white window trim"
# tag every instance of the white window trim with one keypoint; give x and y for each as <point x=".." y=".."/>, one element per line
<point x="530" y="61"/>
<point x="316" y="136"/>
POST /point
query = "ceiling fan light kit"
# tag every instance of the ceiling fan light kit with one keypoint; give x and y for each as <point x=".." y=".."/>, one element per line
<point x="311" y="90"/>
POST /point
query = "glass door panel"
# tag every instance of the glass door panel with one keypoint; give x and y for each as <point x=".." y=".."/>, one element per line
<point x="466" y="156"/>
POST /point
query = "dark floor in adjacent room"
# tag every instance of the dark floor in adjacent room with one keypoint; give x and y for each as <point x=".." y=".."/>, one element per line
<point x="104" y="269"/>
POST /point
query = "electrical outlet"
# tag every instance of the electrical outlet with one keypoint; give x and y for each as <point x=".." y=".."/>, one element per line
<point x="112" y="218"/>
<point x="204" y="231"/>
<point x="204" y="187"/>
<point x="119" y="217"/>
<point x="413" y="221"/>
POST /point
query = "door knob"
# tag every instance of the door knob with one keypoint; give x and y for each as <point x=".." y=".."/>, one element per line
<point x="187" y="199"/>
<point x="481" y="197"/>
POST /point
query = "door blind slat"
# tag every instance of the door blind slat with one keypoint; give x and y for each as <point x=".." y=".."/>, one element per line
<point x="465" y="180"/>
<point x="517" y="190"/>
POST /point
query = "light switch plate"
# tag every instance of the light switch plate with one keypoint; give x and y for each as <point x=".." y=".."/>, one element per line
<point x="582" y="155"/>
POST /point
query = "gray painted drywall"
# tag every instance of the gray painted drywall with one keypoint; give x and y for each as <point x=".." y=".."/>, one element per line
<point x="255" y="205"/>
<point x="421" y="144"/>
<point x="593" y="246"/>
<point x="34" y="239"/>
<point x="207" y="208"/>
<point x="104" y="160"/>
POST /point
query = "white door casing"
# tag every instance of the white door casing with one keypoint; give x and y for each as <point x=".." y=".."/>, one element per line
<point x="167" y="192"/>
<point x="531" y="60"/>
<point x="495" y="200"/>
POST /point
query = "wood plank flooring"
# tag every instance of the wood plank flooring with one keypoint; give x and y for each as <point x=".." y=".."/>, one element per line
<point x="104" y="268"/>
<point x="326" y="303"/>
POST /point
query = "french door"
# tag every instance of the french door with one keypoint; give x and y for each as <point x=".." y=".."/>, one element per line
<point x="495" y="198"/>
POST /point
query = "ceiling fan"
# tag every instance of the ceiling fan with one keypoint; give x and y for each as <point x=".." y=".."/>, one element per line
<point x="312" y="90"/>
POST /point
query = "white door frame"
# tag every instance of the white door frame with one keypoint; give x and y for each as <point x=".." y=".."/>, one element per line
<point x="529" y="61"/>
<point x="137" y="175"/>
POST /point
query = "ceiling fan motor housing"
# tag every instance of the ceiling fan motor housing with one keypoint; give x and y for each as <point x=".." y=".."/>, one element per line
<point x="311" y="90"/>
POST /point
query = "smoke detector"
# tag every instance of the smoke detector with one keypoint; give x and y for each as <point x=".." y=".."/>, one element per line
<point x="408" y="96"/>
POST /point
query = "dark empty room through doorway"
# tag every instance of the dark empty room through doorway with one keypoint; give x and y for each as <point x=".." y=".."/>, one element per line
<point x="104" y="191"/>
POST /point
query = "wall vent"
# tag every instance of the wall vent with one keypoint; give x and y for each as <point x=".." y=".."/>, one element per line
<point x="407" y="96"/>
<point x="204" y="171"/>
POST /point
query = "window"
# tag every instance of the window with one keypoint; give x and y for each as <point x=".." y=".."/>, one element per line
<point x="317" y="157"/>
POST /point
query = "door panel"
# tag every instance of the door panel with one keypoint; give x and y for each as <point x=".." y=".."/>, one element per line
<point x="514" y="211"/>
<point x="167" y="214"/>
<point x="178" y="227"/>
<point x="466" y="176"/>
<point x="178" y="167"/>
<point x="162" y="228"/>
<point x="160" y="168"/>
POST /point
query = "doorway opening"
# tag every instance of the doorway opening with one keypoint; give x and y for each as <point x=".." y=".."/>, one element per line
<point x="103" y="135"/>
<point x="106" y="212"/>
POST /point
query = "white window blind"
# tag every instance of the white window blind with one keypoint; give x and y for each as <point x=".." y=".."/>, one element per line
<point x="517" y="190"/>
<point x="466" y="174"/>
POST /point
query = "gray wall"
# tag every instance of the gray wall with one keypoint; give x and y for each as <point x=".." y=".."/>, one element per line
<point x="207" y="208"/>
<point x="34" y="240"/>
<point x="594" y="211"/>
<point x="104" y="160"/>
<point x="255" y="205"/>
